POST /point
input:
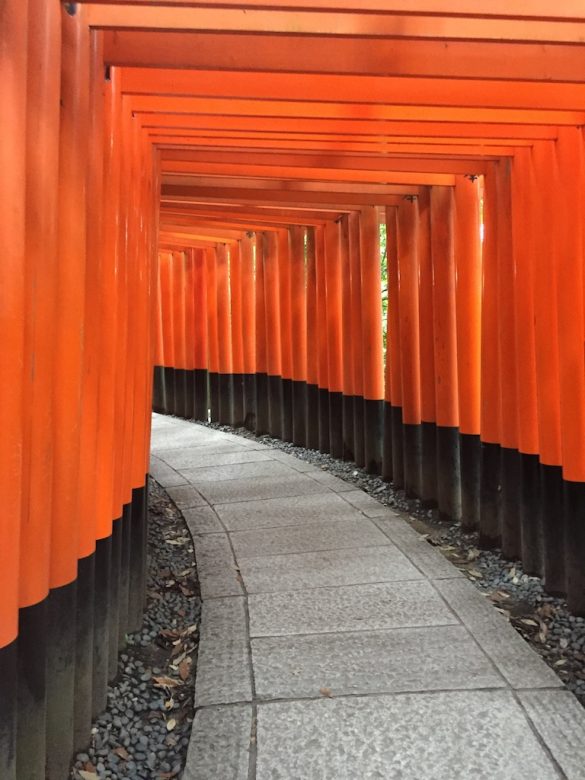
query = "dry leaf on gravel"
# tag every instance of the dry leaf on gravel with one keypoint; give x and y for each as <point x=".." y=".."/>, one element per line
<point x="171" y="724"/>
<point x="184" y="668"/>
<point x="165" y="682"/>
<point x="87" y="775"/>
<point x="326" y="692"/>
<point x="122" y="752"/>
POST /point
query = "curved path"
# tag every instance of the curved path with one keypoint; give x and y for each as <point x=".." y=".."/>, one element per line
<point x="336" y="644"/>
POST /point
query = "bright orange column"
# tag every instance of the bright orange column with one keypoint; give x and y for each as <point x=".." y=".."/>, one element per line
<point x="322" y="341"/>
<point x="262" y="421"/>
<point x="201" y="338"/>
<point x="237" y="333"/>
<point x="298" y="334"/>
<point x="444" y="324"/>
<point x="273" y="332"/>
<point x="347" y="338"/>
<point x="333" y="291"/>
<point x="393" y="462"/>
<point x="189" y="333"/>
<point x="312" y="345"/>
<point x="285" y="302"/>
<point x="468" y="303"/>
<point x="213" y="333"/>
<point x="224" y="336"/>
<point x="408" y="312"/>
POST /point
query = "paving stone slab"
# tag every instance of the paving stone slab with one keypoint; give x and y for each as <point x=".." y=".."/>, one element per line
<point x="366" y="503"/>
<point x="471" y="735"/>
<point x="186" y="496"/>
<point x="223" y="663"/>
<point x="291" y="460"/>
<point x="514" y="657"/>
<point x="273" y="573"/>
<point x="261" y="487"/>
<point x="220" y="744"/>
<point x="202" y="460"/>
<point x="406" y="659"/>
<point x="327" y="535"/>
<point x="333" y="483"/>
<point x="247" y="471"/>
<point x="560" y="721"/>
<point x="348" y="608"/>
<point x="164" y="474"/>
<point x="185" y="436"/>
<point x="425" y="557"/>
<point x="192" y="457"/>
<point x="202" y="520"/>
<point x="282" y="511"/>
<point x="216" y="568"/>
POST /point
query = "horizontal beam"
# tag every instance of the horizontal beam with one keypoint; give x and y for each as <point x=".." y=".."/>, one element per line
<point x="305" y="198"/>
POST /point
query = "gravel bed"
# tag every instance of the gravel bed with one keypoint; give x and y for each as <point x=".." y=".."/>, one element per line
<point x="542" y="620"/>
<point x="144" y="733"/>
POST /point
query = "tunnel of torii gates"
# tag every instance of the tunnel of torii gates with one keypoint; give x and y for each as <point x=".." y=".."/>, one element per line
<point x="193" y="191"/>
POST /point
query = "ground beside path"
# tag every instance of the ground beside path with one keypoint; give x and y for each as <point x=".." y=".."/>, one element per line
<point x="337" y="644"/>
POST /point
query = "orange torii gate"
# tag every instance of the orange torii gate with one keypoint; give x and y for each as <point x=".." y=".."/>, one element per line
<point x="198" y="190"/>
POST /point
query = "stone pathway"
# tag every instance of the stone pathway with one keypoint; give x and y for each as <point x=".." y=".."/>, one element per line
<point x="337" y="644"/>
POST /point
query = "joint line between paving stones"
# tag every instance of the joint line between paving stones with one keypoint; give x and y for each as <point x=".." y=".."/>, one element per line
<point x="323" y="587"/>
<point x="539" y="738"/>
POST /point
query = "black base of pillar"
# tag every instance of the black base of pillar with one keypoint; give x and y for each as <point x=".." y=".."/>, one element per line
<point x="412" y="441"/>
<point x="489" y="496"/>
<point x="336" y="425"/>
<point x="359" y="454"/>
<point x="180" y="377"/>
<point x="114" y="599"/>
<point x="61" y="644"/>
<point x="275" y="406"/>
<point x="531" y="530"/>
<point x="101" y="606"/>
<point x="169" y="385"/>
<point x="574" y="510"/>
<point x="214" y="396"/>
<point x="226" y="399"/>
<point x="189" y="395"/>
<point x="250" y="401"/>
<point x="553" y="529"/>
<point x="84" y="650"/>
<point x="428" y="478"/>
<point x="124" y="578"/>
<point x="373" y="422"/>
<point x="262" y="404"/>
<point x="158" y="390"/>
<point x="323" y="420"/>
<point x="387" y="455"/>
<point x="137" y="578"/>
<point x="312" y="417"/>
<point x="397" y="448"/>
<point x="32" y="696"/>
<point x="287" y="409"/>
<point x="299" y="398"/>
<point x="510" y="503"/>
<point x="470" y="458"/>
<point x="8" y="711"/>
<point x="201" y="394"/>
<point x="348" y="428"/>
<point x="238" y="400"/>
<point x="448" y="473"/>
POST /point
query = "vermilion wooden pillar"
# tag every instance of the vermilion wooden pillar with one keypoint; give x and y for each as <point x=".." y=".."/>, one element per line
<point x="212" y="333"/>
<point x="159" y="395"/>
<point x="571" y="336"/>
<point x="547" y="259"/>
<point x="166" y="277"/>
<point x="490" y="416"/>
<point x="373" y="370"/>
<point x="248" y="259"/>
<point x="523" y="193"/>
<point x="447" y="401"/>
<point x="356" y="340"/>
<point x="428" y="486"/>
<point x="201" y="356"/>
<point x="262" y="421"/>
<point x="468" y="301"/>
<point x="408" y="311"/>
<point x="334" y="334"/>
<point x="322" y="344"/>
<point x="13" y="63"/>
<point x="393" y="431"/>
<point x="347" y="339"/>
<point x="224" y="336"/>
<point x="68" y="365"/>
<point x="237" y="333"/>
<point x="510" y="458"/>
<point x="299" y="334"/>
<point x="189" y="334"/>
<point x="179" y="332"/>
<point x="312" y="341"/>
<point x="273" y="335"/>
<point x="284" y="299"/>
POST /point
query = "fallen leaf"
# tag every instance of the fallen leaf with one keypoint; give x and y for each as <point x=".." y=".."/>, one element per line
<point x="169" y="704"/>
<point x="87" y="775"/>
<point x="473" y="554"/>
<point x="475" y="573"/>
<point x="184" y="668"/>
<point x="326" y="692"/>
<point x="122" y="752"/>
<point x="529" y="622"/>
<point x="171" y="724"/>
<point x="165" y="682"/>
<point x="564" y="643"/>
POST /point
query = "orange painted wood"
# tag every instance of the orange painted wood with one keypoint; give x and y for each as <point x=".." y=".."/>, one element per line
<point x="312" y="311"/>
<point x="333" y="291"/>
<point x="468" y="302"/>
<point x="298" y="304"/>
<point x="248" y="252"/>
<point x="201" y="352"/>
<point x="392" y="375"/>
<point x="272" y="303"/>
<point x="371" y="305"/>
<point x="346" y="308"/>
<point x="321" y="305"/>
<point x="426" y="310"/>
<point x="224" y="336"/>
<point x="260" y="307"/>
<point x="285" y="303"/>
<point x="356" y="303"/>
<point x="212" y="311"/>
<point x="237" y="331"/>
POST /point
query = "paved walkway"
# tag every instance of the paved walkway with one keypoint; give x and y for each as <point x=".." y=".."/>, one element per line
<point x="337" y="644"/>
